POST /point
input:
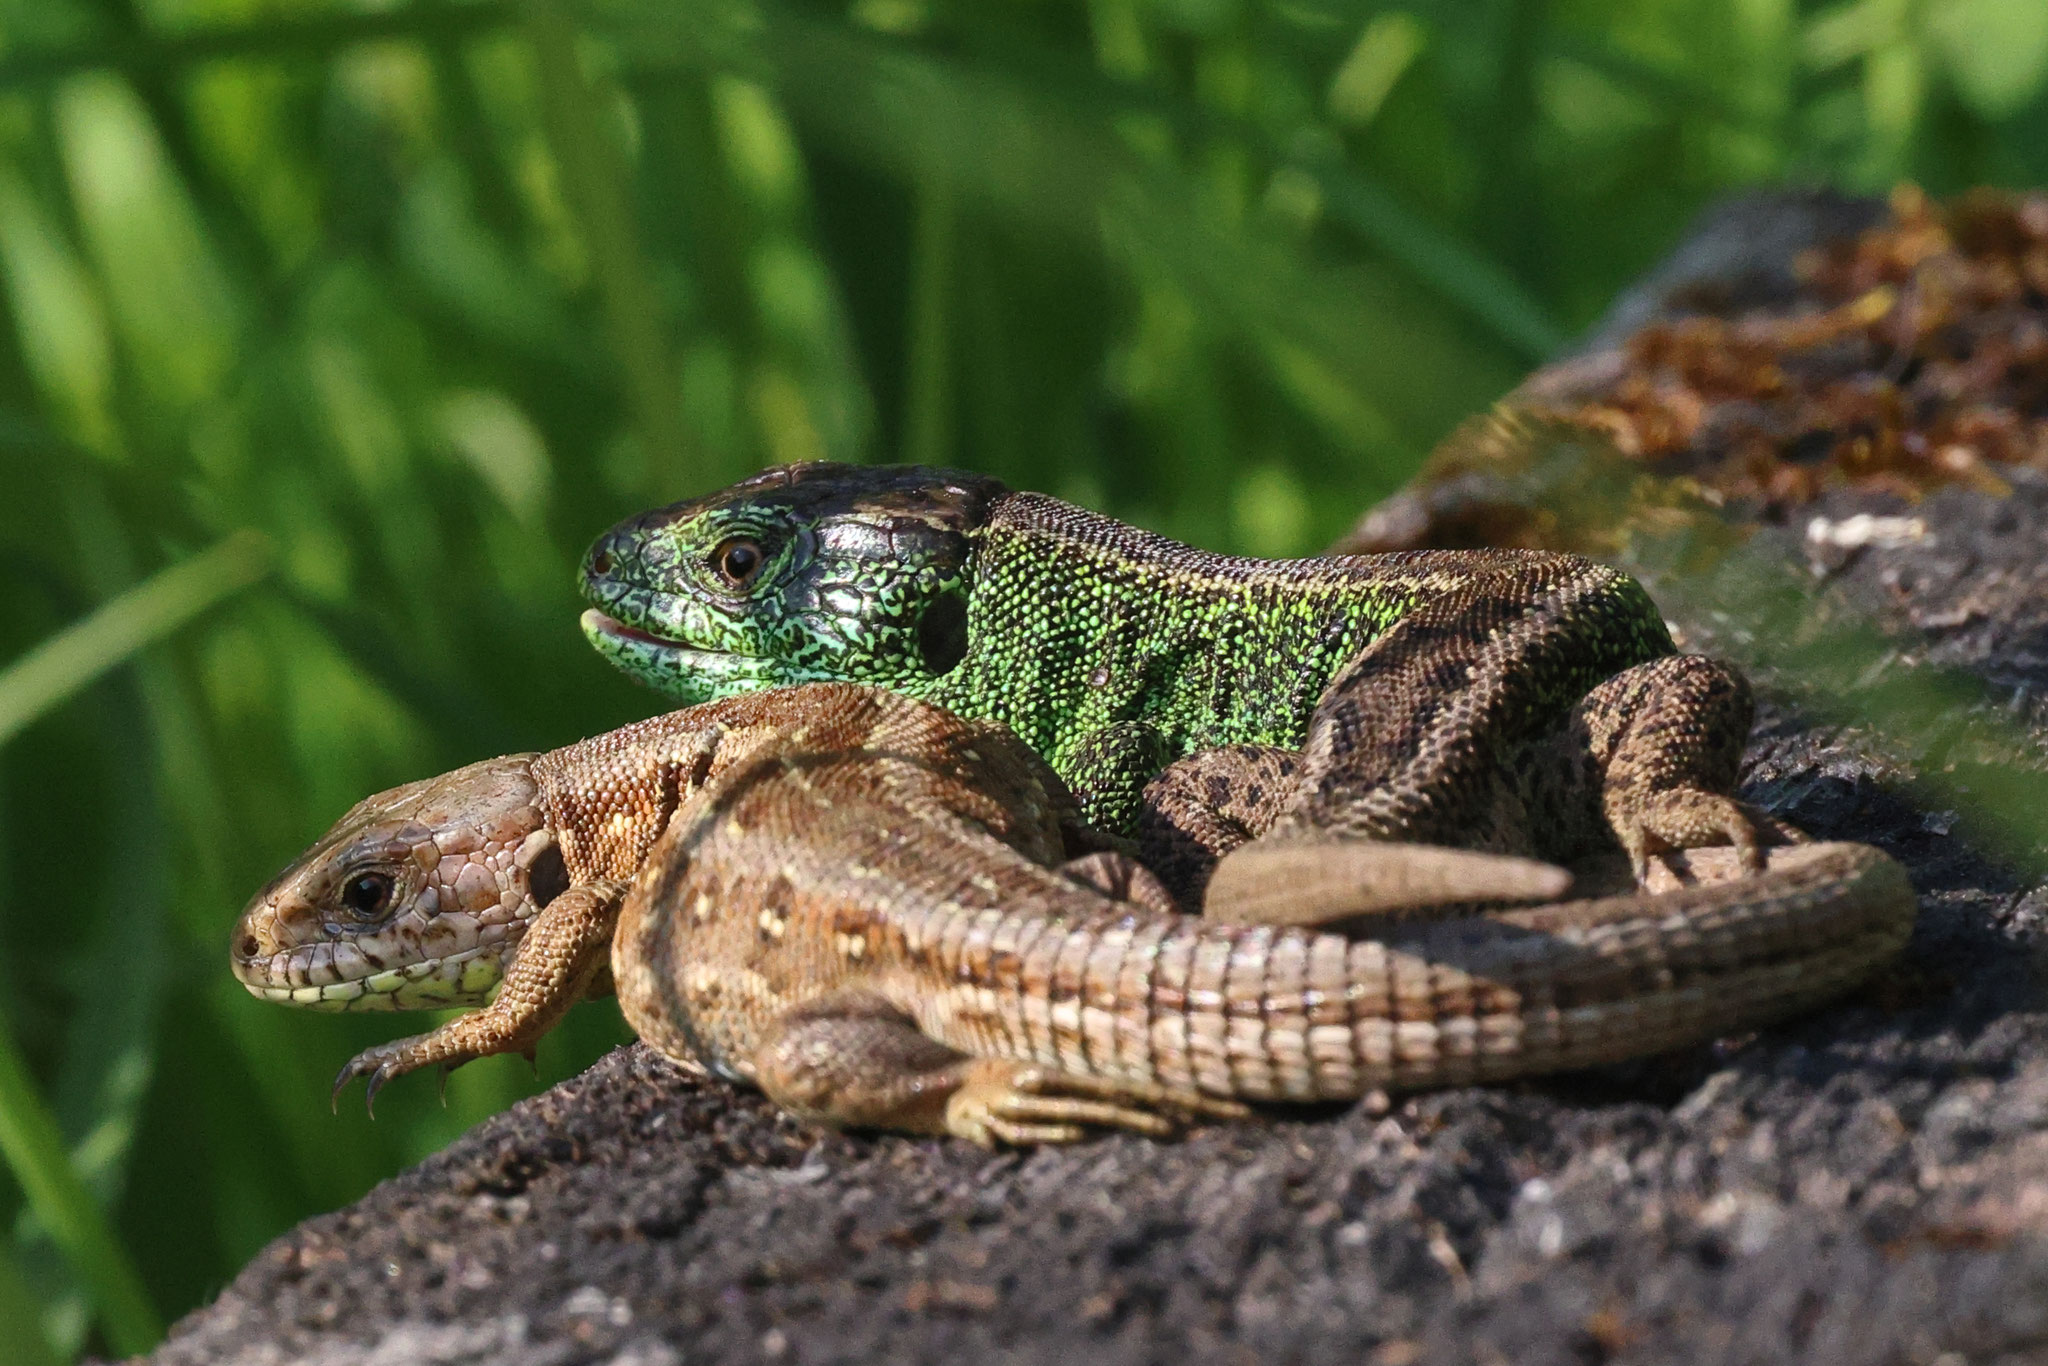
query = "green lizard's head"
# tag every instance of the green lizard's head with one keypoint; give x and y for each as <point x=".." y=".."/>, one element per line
<point x="415" y="899"/>
<point x="804" y="573"/>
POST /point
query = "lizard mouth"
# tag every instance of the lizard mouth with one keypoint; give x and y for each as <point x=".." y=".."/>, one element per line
<point x="620" y="643"/>
<point x="603" y="628"/>
<point x="683" y="673"/>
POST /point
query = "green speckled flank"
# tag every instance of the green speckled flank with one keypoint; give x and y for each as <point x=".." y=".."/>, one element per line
<point x="1071" y="637"/>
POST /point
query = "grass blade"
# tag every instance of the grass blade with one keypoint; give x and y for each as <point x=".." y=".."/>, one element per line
<point x="81" y="652"/>
<point x="1008" y="151"/>
<point x="594" y="172"/>
<point x="35" y="1152"/>
<point x="314" y="37"/>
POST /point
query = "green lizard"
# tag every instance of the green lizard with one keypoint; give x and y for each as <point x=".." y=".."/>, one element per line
<point x="1513" y="701"/>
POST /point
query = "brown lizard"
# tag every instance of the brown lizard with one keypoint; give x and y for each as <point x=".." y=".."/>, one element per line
<point x="865" y="906"/>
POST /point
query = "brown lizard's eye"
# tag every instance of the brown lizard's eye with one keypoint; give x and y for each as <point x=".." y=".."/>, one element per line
<point x="367" y="895"/>
<point x="737" y="559"/>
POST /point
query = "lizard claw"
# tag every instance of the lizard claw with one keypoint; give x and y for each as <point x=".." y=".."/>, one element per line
<point x="377" y="1080"/>
<point x="381" y="1065"/>
<point x="362" y="1065"/>
<point x="356" y="1067"/>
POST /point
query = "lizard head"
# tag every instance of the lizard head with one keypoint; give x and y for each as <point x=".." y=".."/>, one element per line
<point x="414" y="900"/>
<point x="803" y="573"/>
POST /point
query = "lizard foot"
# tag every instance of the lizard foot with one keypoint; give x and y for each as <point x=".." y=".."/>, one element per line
<point x="1683" y="818"/>
<point x="394" y="1059"/>
<point x="1022" y="1104"/>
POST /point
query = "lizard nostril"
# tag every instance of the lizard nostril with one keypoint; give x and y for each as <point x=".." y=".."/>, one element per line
<point x="249" y="946"/>
<point x="601" y="561"/>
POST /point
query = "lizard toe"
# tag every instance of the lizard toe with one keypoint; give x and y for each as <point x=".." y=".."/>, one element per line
<point x="1030" y="1104"/>
<point x="1072" y="1112"/>
<point x="1152" y="1095"/>
<point x="381" y="1065"/>
<point x="1014" y="1134"/>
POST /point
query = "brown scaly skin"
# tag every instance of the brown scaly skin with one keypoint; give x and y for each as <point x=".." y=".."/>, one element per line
<point x="857" y="902"/>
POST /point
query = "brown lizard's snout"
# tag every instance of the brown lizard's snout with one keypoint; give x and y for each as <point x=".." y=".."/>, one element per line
<point x="256" y="927"/>
<point x="414" y="898"/>
<point x="321" y="920"/>
<point x="256" y="931"/>
<point x="277" y="919"/>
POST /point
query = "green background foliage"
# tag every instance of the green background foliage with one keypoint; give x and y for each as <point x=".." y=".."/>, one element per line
<point x="334" y="331"/>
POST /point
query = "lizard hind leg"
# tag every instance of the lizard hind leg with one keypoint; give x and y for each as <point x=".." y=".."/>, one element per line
<point x="1204" y="829"/>
<point x="1120" y="877"/>
<point x="854" y="1060"/>
<point x="1666" y="738"/>
<point x="1202" y="807"/>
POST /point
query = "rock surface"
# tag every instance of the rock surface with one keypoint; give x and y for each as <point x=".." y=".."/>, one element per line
<point x="1869" y="1185"/>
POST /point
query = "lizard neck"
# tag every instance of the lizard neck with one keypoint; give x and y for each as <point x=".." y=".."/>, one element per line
<point x="1077" y="622"/>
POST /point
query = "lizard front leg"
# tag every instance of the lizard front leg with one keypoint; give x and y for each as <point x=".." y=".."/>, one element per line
<point x="853" y="1060"/>
<point x="561" y="955"/>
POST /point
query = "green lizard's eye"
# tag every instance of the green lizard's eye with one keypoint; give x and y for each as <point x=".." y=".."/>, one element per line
<point x="367" y="895"/>
<point x="737" y="559"/>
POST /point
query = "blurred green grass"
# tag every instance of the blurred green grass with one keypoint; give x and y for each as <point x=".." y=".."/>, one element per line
<point x="334" y="331"/>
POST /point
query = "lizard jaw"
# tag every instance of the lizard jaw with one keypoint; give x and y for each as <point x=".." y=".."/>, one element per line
<point x="678" y="671"/>
<point x="467" y="978"/>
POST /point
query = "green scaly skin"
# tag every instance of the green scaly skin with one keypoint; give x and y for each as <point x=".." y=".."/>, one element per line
<point x="1115" y="652"/>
